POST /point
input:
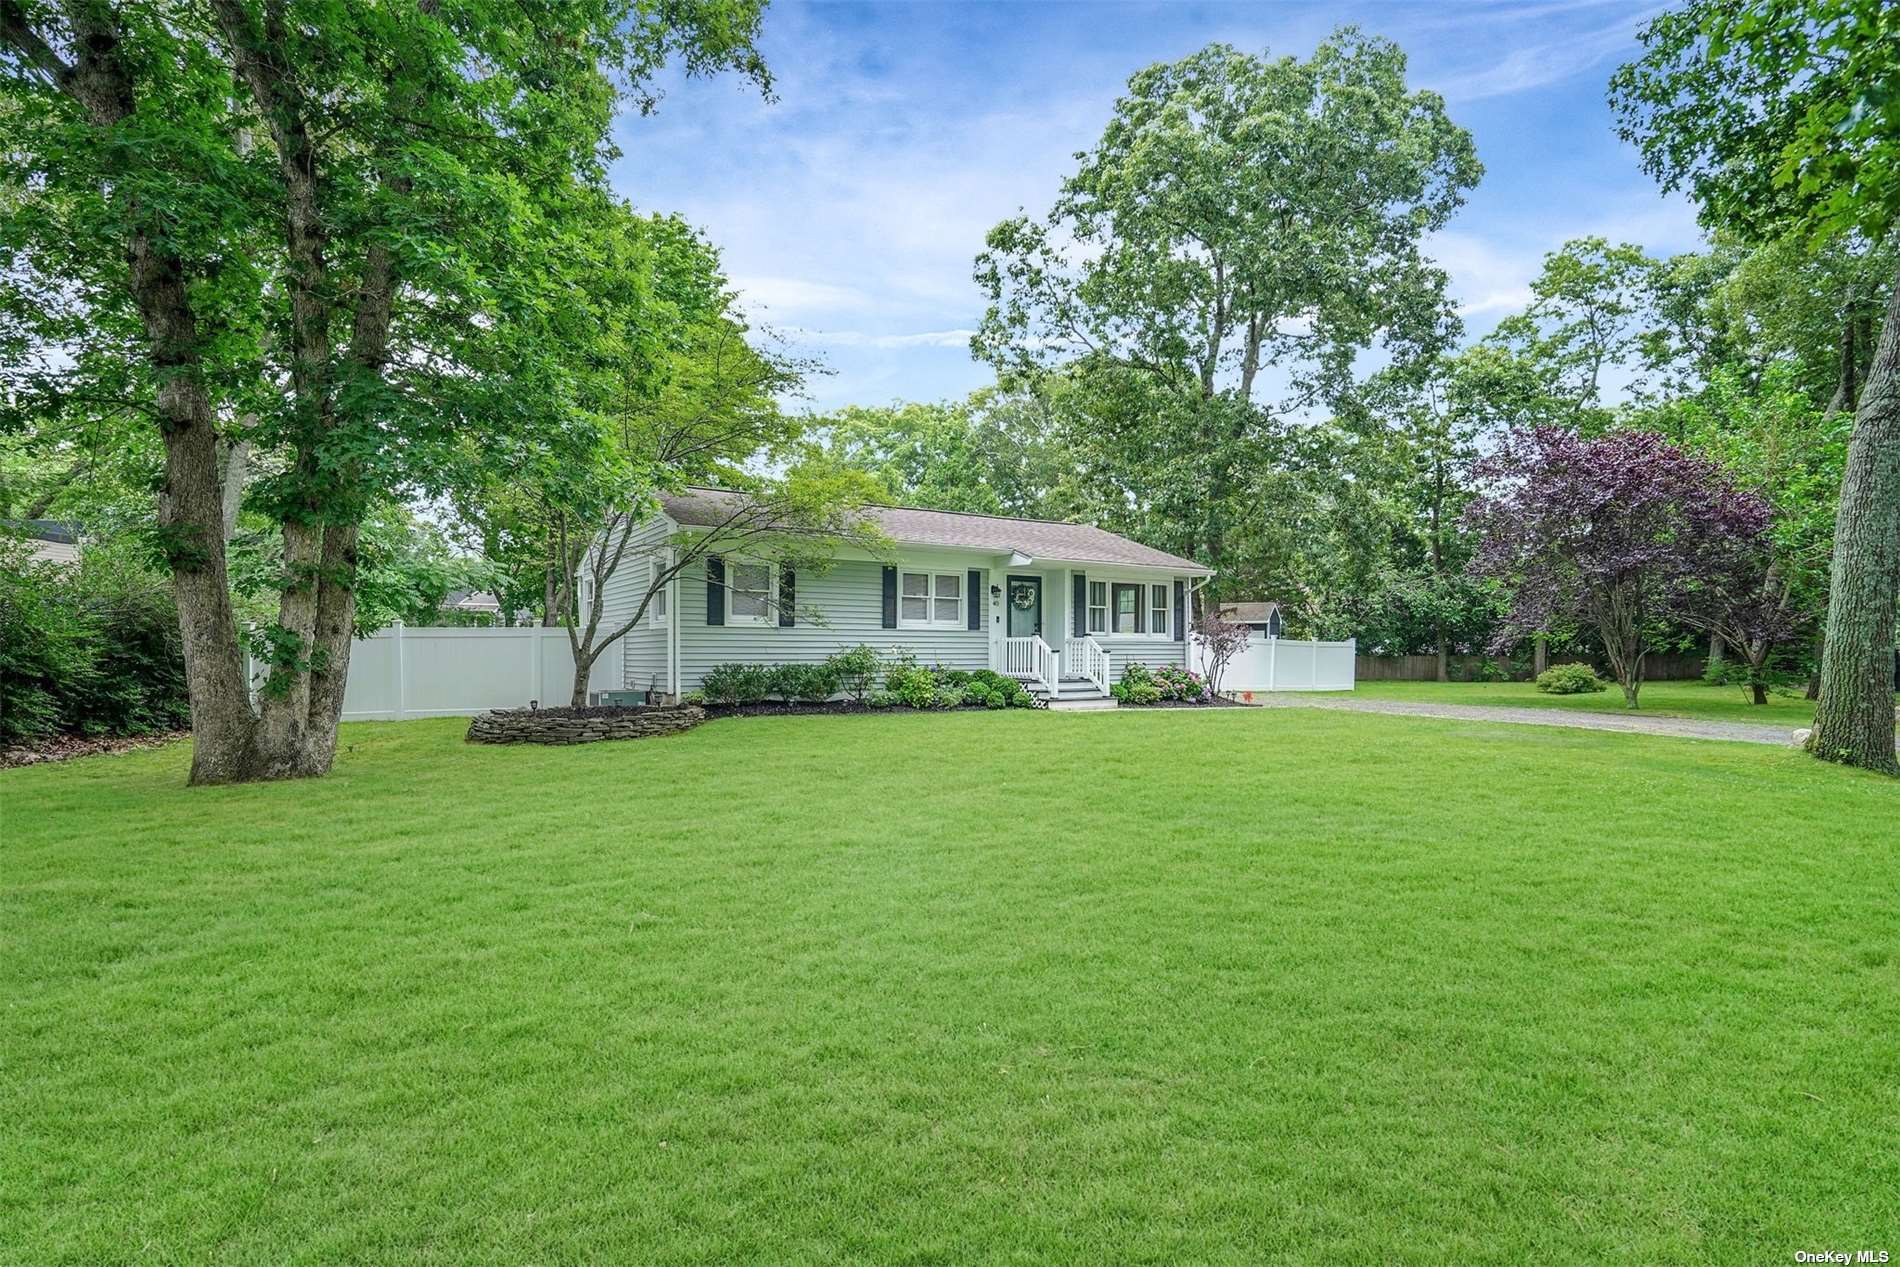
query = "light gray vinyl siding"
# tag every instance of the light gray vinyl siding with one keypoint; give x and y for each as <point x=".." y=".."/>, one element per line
<point x="1152" y="652"/>
<point x="848" y="596"/>
<point x="643" y="651"/>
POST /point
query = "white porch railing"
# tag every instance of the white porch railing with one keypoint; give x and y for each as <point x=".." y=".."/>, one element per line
<point x="1031" y="657"/>
<point x="1088" y="658"/>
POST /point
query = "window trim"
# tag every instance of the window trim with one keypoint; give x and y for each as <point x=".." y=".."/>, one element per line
<point x="1094" y="607"/>
<point x="931" y="620"/>
<point x="768" y="616"/>
<point x="660" y="606"/>
<point x="1146" y="612"/>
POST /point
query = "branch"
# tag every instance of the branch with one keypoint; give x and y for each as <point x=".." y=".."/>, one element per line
<point x="33" y="49"/>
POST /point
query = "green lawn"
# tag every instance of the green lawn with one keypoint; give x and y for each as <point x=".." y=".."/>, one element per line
<point x="1240" y="986"/>
<point x="1658" y="699"/>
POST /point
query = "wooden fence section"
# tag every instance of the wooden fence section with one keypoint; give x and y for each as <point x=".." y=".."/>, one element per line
<point x="1473" y="668"/>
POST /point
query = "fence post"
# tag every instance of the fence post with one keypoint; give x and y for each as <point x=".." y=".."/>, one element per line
<point x="402" y="686"/>
<point x="540" y="664"/>
<point x="1273" y="663"/>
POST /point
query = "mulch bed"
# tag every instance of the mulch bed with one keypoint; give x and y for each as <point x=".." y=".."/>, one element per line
<point x="776" y="708"/>
<point x="1219" y="702"/>
<point x="66" y="747"/>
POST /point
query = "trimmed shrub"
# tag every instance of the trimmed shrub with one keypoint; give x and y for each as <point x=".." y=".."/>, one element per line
<point x="1570" y="679"/>
<point x="804" y="683"/>
<point x="857" y="669"/>
<point x="948" y="697"/>
<point x="737" y="683"/>
<point x="880" y="699"/>
<point x="997" y="698"/>
<point x="1144" y="693"/>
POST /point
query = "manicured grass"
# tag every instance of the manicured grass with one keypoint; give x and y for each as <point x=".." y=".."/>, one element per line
<point x="1242" y="986"/>
<point x="1660" y="699"/>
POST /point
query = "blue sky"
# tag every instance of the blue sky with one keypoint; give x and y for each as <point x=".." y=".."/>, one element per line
<point x="850" y="208"/>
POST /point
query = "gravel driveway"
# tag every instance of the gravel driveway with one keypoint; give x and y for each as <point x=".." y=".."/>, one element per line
<point x="1681" y="727"/>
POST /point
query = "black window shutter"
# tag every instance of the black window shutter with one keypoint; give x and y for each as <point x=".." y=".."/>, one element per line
<point x="787" y="598"/>
<point x="1180" y="611"/>
<point x="972" y="594"/>
<point x="890" y="598"/>
<point x="1079" y="600"/>
<point x="715" y="590"/>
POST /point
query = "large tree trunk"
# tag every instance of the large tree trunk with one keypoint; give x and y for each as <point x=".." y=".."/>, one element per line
<point x="335" y="630"/>
<point x="1540" y="654"/>
<point x="190" y="505"/>
<point x="1444" y="657"/>
<point x="1854" y="721"/>
<point x="190" y="517"/>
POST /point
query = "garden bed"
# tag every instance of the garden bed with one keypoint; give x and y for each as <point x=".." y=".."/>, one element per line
<point x="583" y="725"/>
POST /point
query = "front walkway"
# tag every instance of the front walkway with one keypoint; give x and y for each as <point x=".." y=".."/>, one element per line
<point x="1681" y="727"/>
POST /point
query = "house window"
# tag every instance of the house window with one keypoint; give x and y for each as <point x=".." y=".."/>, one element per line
<point x="930" y="600"/>
<point x="1127" y="608"/>
<point x="751" y="593"/>
<point x="949" y="599"/>
<point x="1098" y="607"/>
<point x="656" y="606"/>
<point x="1158" y="610"/>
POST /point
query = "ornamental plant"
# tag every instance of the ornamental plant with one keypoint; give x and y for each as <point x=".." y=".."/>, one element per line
<point x="1619" y="533"/>
<point x="1570" y="679"/>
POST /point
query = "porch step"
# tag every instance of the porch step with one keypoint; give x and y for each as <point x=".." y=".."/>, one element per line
<point x="1067" y="689"/>
<point x="1082" y="704"/>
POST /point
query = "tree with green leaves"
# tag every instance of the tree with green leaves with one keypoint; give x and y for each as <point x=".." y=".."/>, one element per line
<point x="997" y="452"/>
<point x="341" y="234"/>
<point x="1782" y="119"/>
<point x="1771" y="439"/>
<point x="1423" y="426"/>
<point x="1243" y="230"/>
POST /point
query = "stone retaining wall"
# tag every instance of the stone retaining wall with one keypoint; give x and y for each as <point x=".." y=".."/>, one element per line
<point x="566" y="725"/>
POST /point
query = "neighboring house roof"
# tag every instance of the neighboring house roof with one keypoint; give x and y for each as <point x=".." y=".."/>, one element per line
<point x="958" y="530"/>
<point x="1249" y="613"/>
<point x="471" y="601"/>
<point x="59" y="530"/>
<point x="53" y="540"/>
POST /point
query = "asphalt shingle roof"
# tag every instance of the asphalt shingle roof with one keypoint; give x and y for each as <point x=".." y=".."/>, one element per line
<point x="994" y="534"/>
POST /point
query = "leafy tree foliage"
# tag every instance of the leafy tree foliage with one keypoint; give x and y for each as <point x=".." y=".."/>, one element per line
<point x="998" y="452"/>
<point x="346" y="234"/>
<point x="1241" y="221"/>
<point x="1620" y="532"/>
<point x="1782" y="119"/>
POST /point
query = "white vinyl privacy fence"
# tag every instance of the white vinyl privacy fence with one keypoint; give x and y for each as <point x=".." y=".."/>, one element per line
<point x="1280" y="664"/>
<point x="423" y="672"/>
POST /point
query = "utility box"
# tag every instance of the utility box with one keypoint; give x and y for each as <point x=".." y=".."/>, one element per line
<point x="619" y="699"/>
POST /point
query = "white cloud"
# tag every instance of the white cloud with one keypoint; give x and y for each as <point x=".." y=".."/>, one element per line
<point x="860" y="339"/>
<point x="1540" y="63"/>
<point x="780" y="296"/>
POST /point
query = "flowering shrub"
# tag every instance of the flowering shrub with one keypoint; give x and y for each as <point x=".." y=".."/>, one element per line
<point x="1143" y="685"/>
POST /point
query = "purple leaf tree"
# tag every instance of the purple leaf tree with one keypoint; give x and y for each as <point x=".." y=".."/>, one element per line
<point x="1221" y="640"/>
<point x="1618" y="533"/>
